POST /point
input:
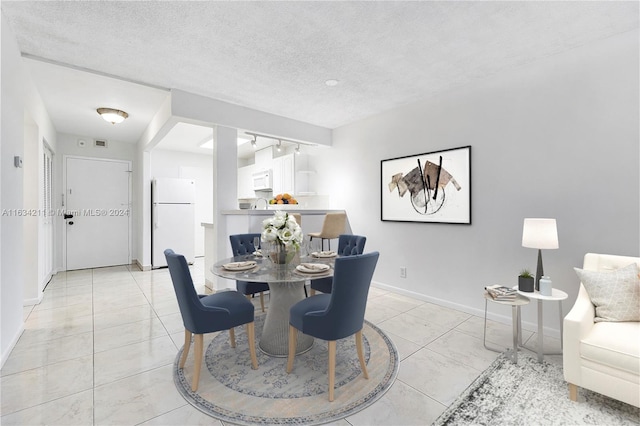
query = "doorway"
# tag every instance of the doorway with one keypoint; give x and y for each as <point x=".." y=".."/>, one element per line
<point x="97" y="216"/>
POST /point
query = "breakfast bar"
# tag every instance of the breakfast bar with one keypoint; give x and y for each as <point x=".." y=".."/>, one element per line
<point x="250" y="220"/>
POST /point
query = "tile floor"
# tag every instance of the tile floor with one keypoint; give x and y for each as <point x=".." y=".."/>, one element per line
<point x="99" y="350"/>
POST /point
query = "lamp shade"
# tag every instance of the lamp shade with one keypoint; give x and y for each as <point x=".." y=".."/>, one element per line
<point x="540" y="234"/>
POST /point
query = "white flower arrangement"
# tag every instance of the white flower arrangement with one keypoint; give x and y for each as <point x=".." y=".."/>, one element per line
<point x="282" y="229"/>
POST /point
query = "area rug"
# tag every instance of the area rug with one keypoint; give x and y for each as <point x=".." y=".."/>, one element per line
<point x="530" y="393"/>
<point x="231" y="391"/>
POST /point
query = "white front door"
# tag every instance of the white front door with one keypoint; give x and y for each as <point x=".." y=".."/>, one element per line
<point x="97" y="212"/>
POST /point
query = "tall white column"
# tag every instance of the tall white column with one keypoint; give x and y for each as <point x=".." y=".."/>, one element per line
<point x="225" y="192"/>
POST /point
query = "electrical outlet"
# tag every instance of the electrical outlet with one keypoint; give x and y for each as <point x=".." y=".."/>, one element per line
<point x="403" y="272"/>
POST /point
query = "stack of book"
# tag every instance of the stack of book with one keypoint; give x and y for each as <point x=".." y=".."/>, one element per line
<point x="501" y="293"/>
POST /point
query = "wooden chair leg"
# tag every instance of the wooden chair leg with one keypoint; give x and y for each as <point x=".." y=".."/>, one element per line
<point x="262" y="300"/>
<point x="293" y="337"/>
<point x="363" y="366"/>
<point x="332" y="368"/>
<point x="185" y="349"/>
<point x="198" y="349"/>
<point x="251" y="336"/>
<point x="573" y="392"/>
<point x="232" y="337"/>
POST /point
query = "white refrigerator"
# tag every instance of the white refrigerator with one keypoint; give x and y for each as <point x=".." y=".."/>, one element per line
<point x="172" y="219"/>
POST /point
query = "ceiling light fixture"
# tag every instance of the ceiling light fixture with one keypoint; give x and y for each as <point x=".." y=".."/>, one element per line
<point x="113" y="116"/>
<point x="331" y="82"/>
<point x="255" y="137"/>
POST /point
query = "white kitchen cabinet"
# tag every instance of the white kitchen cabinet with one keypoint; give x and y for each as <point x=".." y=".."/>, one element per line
<point x="245" y="182"/>
<point x="284" y="174"/>
<point x="293" y="174"/>
<point x="263" y="159"/>
<point x="305" y="175"/>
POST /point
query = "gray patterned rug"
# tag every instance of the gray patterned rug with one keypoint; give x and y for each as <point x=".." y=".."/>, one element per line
<point x="532" y="393"/>
<point x="231" y="391"/>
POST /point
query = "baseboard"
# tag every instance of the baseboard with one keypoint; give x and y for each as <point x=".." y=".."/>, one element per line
<point x="14" y="341"/>
<point x="140" y="266"/>
<point x="209" y="284"/>
<point x="503" y="319"/>
<point x="33" y="301"/>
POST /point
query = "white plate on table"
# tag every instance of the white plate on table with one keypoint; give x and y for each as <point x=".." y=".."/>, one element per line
<point x="312" y="268"/>
<point x="240" y="266"/>
<point x="324" y="254"/>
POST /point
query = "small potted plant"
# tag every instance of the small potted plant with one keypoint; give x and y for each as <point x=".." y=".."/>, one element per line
<point x="525" y="281"/>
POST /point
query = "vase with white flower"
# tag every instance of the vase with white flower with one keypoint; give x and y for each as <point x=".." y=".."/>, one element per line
<point x="284" y="235"/>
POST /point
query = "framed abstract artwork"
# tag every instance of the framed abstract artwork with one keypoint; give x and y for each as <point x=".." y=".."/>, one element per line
<point x="431" y="187"/>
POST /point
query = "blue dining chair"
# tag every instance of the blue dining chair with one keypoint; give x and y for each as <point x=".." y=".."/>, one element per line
<point x="242" y="244"/>
<point x="347" y="245"/>
<point x="337" y="315"/>
<point x="205" y="314"/>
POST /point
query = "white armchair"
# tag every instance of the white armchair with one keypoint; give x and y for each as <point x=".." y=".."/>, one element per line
<point x="601" y="356"/>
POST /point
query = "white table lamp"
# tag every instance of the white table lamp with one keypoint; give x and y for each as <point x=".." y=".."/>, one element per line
<point x="540" y="234"/>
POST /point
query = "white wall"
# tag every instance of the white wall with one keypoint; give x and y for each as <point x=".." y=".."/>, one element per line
<point x="11" y="193"/>
<point x="36" y="117"/>
<point x="31" y="201"/>
<point x="557" y="138"/>
<point x="68" y="145"/>
<point x="199" y="167"/>
<point x="25" y="123"/>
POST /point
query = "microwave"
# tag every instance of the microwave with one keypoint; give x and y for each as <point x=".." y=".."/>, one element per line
<point x="262" y="180"/>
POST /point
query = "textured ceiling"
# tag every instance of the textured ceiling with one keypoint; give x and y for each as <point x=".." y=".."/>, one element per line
<point x="276" y="56"/>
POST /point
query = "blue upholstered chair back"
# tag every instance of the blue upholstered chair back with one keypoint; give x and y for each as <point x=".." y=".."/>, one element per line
<point x="349" y="245"/>
<point x="242" y="244"/>
<point x="196" y="317"/>
<point x="345" y="314"/>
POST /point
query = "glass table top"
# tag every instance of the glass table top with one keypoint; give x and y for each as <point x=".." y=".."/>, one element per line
<point x="267" y="271"/>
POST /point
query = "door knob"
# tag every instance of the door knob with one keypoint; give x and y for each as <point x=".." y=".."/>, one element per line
<point x="70" y="222"/>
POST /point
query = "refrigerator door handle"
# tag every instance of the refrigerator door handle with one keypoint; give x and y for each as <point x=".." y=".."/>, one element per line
<point x="155" y="216"/>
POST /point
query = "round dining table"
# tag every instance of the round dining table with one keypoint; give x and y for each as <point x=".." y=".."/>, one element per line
<point x="286" y="287"/>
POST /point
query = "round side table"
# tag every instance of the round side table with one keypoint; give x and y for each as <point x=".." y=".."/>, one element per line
<point x="515" y="319"/>
<point x="556" y="296"/>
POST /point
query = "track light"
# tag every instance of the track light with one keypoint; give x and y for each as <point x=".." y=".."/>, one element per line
<point x="271" y="138"/>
